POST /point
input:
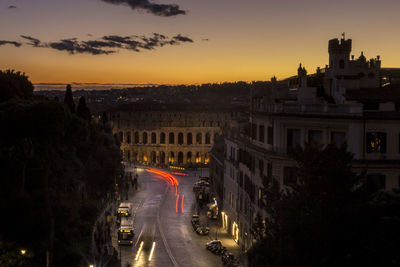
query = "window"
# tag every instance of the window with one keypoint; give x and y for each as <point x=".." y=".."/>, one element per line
<point x="289" y="176"/>
<point x="128" y="137"/>
<point x="315" y="136"/>
<point x="339" y="138"/>
<point x="198" y="138"/>
<point x="162" y="138"/>
<point x="180" y="138"/>
<point x="293" y="139"/>
<point x="144" y="138"/>
<point x="376" y="182"/>
<point x="376" y="142"/>
<point x="189" y="140"/>
<point x="171" y="138"/>
<point x="261" y="133"/>
<point x="208" y="138"/>
<point x="153" y="138"/>
<point x="270" y="135"/>
<point x="254" y="131"/>
<point x="136" y="138"/>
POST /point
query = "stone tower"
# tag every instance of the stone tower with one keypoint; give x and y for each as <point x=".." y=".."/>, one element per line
<point x="339" y="55"/>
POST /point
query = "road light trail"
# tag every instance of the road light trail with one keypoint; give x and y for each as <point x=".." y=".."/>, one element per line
<point x="177" y="203"/>
<point x="183" y="196"/>
<point x="152" y="250"/>
<point x="139" y="250"/>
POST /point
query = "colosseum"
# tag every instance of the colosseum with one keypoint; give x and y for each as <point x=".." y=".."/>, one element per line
<point x="168" y="134"/>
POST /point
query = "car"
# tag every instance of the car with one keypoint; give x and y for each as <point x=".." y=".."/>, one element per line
<point x="214" y="243"/>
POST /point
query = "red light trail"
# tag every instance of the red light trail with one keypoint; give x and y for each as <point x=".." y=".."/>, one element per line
<point x="183" y="196"/>
<point x="168" y="177"/>
<point x="177" y="203"/>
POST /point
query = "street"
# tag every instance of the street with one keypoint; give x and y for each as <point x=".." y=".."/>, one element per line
<point x="163" y="232"/>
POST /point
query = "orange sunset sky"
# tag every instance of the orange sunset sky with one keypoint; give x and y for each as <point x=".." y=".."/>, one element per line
<point x="231" y="40"/>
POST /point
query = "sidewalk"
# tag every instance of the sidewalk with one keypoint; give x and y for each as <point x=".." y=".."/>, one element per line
<point x="217" y="232"/>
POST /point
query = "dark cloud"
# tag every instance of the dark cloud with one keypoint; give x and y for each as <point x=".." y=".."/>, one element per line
<point x="183" y="39"/>
<point x="33" y="41"/>
<point x="205" y="40"/>
<point x="73" y="46"/>
<point x="12" y="7"/>
<point x="17" y="44"/>
<point x="110" y="44"/>
<point x="156" y="9"/>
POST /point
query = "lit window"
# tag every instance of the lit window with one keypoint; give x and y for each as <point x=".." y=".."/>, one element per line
<point x="376" y="142"/>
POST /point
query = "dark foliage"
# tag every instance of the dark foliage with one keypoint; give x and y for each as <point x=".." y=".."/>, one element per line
<point x="56" y="168"/>
<point x="14" y="85"/>
<point x="82" y="110"/>
<point x="328" y="218"/>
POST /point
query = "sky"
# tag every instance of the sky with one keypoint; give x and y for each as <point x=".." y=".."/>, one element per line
<point x="187" y="41"/>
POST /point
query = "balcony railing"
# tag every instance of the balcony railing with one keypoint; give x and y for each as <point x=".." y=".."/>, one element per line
<point x="313" y="109"/>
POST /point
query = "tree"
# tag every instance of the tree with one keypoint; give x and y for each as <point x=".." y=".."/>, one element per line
<point x="14" y="84"/>
<point x="82" y="110"/>
<point x="69" y="100"/>
<point x="326" y="219"/>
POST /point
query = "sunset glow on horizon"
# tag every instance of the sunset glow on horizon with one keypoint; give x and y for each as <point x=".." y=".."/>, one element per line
<point x="226" y="41"/>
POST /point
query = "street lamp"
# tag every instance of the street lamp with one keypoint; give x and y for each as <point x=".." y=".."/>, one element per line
<point x="91" y="265"/>
<point x="23" y="251"/>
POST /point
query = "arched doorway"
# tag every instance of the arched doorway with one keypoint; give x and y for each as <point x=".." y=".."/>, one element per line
<point x="207" y="158"/>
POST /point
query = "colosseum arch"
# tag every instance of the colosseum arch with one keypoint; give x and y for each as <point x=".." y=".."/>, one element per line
<point x="180" y="138"/>
<point x="144" y="157"/>
<point x="121" y="137"/>
<point x="208" y="138"/>
<point x="198" y="138"/>
<point x="171" y="139"/>
<point x="136" y="138"/>
<point x="144" y="141"/>
<point x="180" y="157"/>
<point x="189" y="158"/>
<point x="162" y="157"/>
<point x="153" y="138"/>
<point x="171" y="158"/>
<point x="153" y="157"/>
<point x="162" y="138"/>
<point x="198" y="157"/>
<point x="207" y="158"/>
<point x="128" y="137"/>
<point x="189" y="139"/>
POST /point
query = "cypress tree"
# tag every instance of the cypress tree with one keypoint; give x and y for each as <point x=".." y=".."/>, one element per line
<point x="68" y="99"/>
<point x="82" y="110"/>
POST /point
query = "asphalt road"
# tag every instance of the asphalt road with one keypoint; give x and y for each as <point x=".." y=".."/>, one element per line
<point x="163" y="224"/>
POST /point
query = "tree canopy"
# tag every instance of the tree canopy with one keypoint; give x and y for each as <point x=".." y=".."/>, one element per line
<point x="328" y="218"/>
<point x="56" y="170"/>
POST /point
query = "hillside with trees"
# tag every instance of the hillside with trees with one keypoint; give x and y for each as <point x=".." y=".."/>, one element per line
<point x="57" y="172"/>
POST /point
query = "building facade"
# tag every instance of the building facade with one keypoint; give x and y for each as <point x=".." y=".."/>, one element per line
<point x="168" y="134"/>
<point x="346" y="102"/>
